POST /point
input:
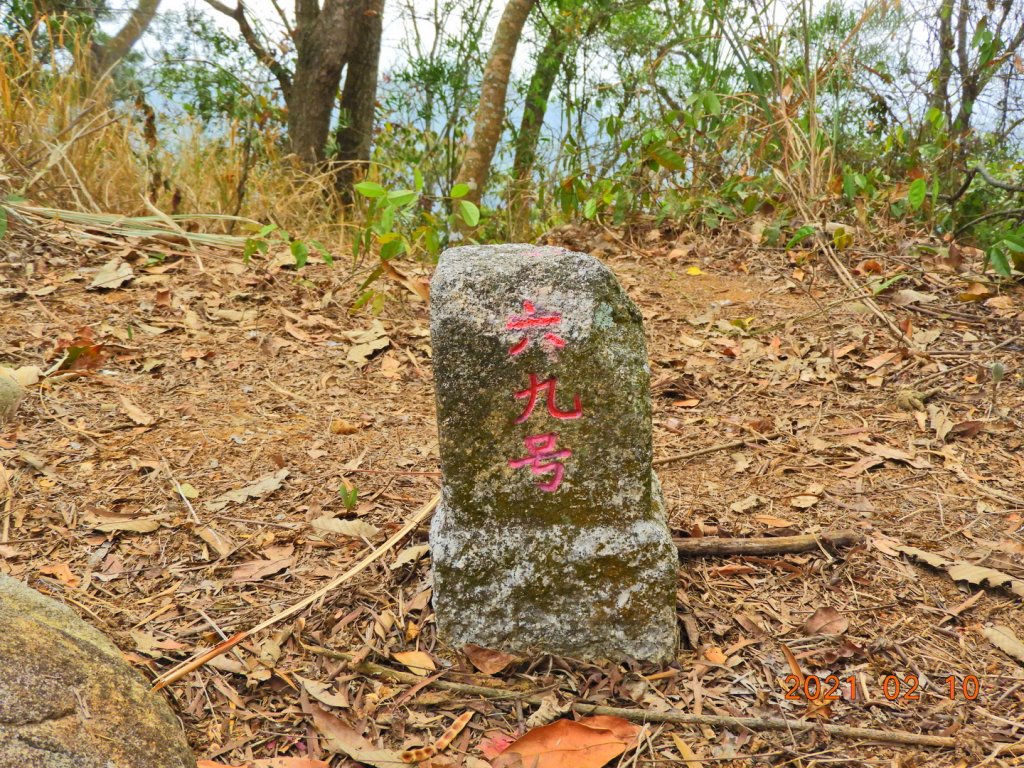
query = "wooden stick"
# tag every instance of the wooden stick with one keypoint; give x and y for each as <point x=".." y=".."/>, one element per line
<point x="713" y="546"/>
<point x="645" y="716"/>
<point x="716" y="448"/>
<point x="203" y="657"/>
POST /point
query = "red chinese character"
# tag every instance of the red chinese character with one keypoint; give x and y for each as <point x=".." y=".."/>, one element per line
<point x="530" y="319"/>
<point x="541" y="450"/>
<point x="548" y="387"/>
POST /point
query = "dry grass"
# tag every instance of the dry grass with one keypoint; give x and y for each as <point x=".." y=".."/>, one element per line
<point x="70" y="143"/>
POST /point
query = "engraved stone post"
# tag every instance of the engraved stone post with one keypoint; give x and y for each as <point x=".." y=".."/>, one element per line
<point x="551" y="534"/>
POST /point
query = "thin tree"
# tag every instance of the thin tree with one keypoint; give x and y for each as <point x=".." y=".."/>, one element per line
<point x="490" y="112"/>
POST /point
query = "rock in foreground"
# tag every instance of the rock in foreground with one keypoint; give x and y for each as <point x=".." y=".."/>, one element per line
<point x="551" y="534"/>
<point x="68" y="699"/>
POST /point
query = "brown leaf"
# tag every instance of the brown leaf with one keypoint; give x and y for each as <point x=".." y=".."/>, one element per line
<point x="1004" y="639"/>
<point x="488" y="661"/>
<point x="340" y="737"/>
<point x="134" y="413"/>
<point x="588" y="743"/>
<point x="290" y="762"/>
<point x="255" y="570"/>
<point x="62" y="572"/>
<point x="967" y="428"/>
<point x="715" y="655"/>
<point x="417" y="662"/>
<point x="776" y="522"/>
<point x="261" y="487"/>
<point x="826" y="621"/>
<point x="222" y="544"/>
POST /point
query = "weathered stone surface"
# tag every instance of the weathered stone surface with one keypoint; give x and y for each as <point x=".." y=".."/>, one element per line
<point x="565" y="553"/>
<point x="69" y="700"/>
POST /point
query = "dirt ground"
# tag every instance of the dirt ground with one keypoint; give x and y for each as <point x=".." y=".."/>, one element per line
<point x="203" y="375"/>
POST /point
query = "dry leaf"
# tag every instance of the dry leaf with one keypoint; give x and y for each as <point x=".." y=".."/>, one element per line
<point x="908" y="296"/>
<point x="137" y="525"/>
<point x="689" y="757"/>
<point x="113" y="274"/>
<point x="804" y="501"/>
<point x="289" y="762"/>
<point x="410" y="555"/>
<point x="1003" y="638"/>
<point x="264" y="486"/>
<point x="494" y="744"/>
<point x="417" y="662"/>
<point x="212" y="764"/>
<point x="715" y="655"/>
<point x="826" y="621"/>
<point x="747" y="504"/>
<point x="323" y="692"/>
<point x="939" y="421"/>
<point x="588" y="743"/>
<point x="488" y="660"/>
<point x="62" y="572"/>
<point x="366" y="343"/>
<point x="355" y="528"/>
<point x="340" y="737"/>
<point x="549" y="709"/>
<point x="985" y="577"/>
<point x="258" y="569"/>
<point x="342" y="427"/>
<point x="222" y="544"/>
<point x="134" y="412"/>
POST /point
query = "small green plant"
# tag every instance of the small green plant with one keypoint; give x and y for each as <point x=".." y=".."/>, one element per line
<point x="399" y="221"/>
<point x="261" y="241"/>
<point x="349" y="495"/>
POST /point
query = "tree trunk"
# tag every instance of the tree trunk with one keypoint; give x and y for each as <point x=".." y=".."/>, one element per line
<point x="549" y="64"/>
<point x="106" y="55"/>
<point x="490" y="113"/>
<point x="944" y="71"/>
<point x="359" y="97"/>
<point x="322" y="42"/>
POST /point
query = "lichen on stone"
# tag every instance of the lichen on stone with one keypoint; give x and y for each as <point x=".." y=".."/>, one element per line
<point x="587" y="569"/>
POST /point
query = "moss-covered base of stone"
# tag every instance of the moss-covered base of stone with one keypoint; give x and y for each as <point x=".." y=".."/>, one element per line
<point x="598" y="592"/>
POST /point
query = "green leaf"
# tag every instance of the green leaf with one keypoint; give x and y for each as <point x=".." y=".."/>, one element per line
<point x="326" y="255"/>
<point x="469" y="212"/>
<point x="916" y="193"/>
<point x="392" y="249"/>
<point x="667" y="158"/>
<point x="3" y="222"/>
<point x="997" y="257"/>
<point x="590" y="208"/>
<point x="301" y="253"/>
<point x="417" y="179"/>
<point x="711" y="103"/>
<point x="370" y="189"/>
<point x="460" y="190"/>
<point x="401" y="197"/>
<point x="800" y="235"/>
<point x="266" y="230"/>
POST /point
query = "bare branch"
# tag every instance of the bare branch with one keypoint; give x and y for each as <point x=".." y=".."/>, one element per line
<point x="106" y="55"/>
<point x="237" y="13"/>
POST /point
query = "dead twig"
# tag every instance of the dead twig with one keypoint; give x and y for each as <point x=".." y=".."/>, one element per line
<point x="713" y="546"/>
<point x="205" y="656"/>
<point x="757" y="438"/>
<point x="646" y="716"/>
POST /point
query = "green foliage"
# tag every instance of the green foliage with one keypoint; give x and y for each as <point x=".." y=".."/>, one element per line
<point x="264" y="237"/>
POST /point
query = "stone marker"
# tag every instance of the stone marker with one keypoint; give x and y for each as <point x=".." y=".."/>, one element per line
<point x="69" y="700"/>
<point x="551" y="534"/>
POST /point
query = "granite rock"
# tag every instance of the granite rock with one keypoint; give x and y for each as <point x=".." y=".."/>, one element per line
<point x="551" y="534"/>
<point x="69" y="700"/>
